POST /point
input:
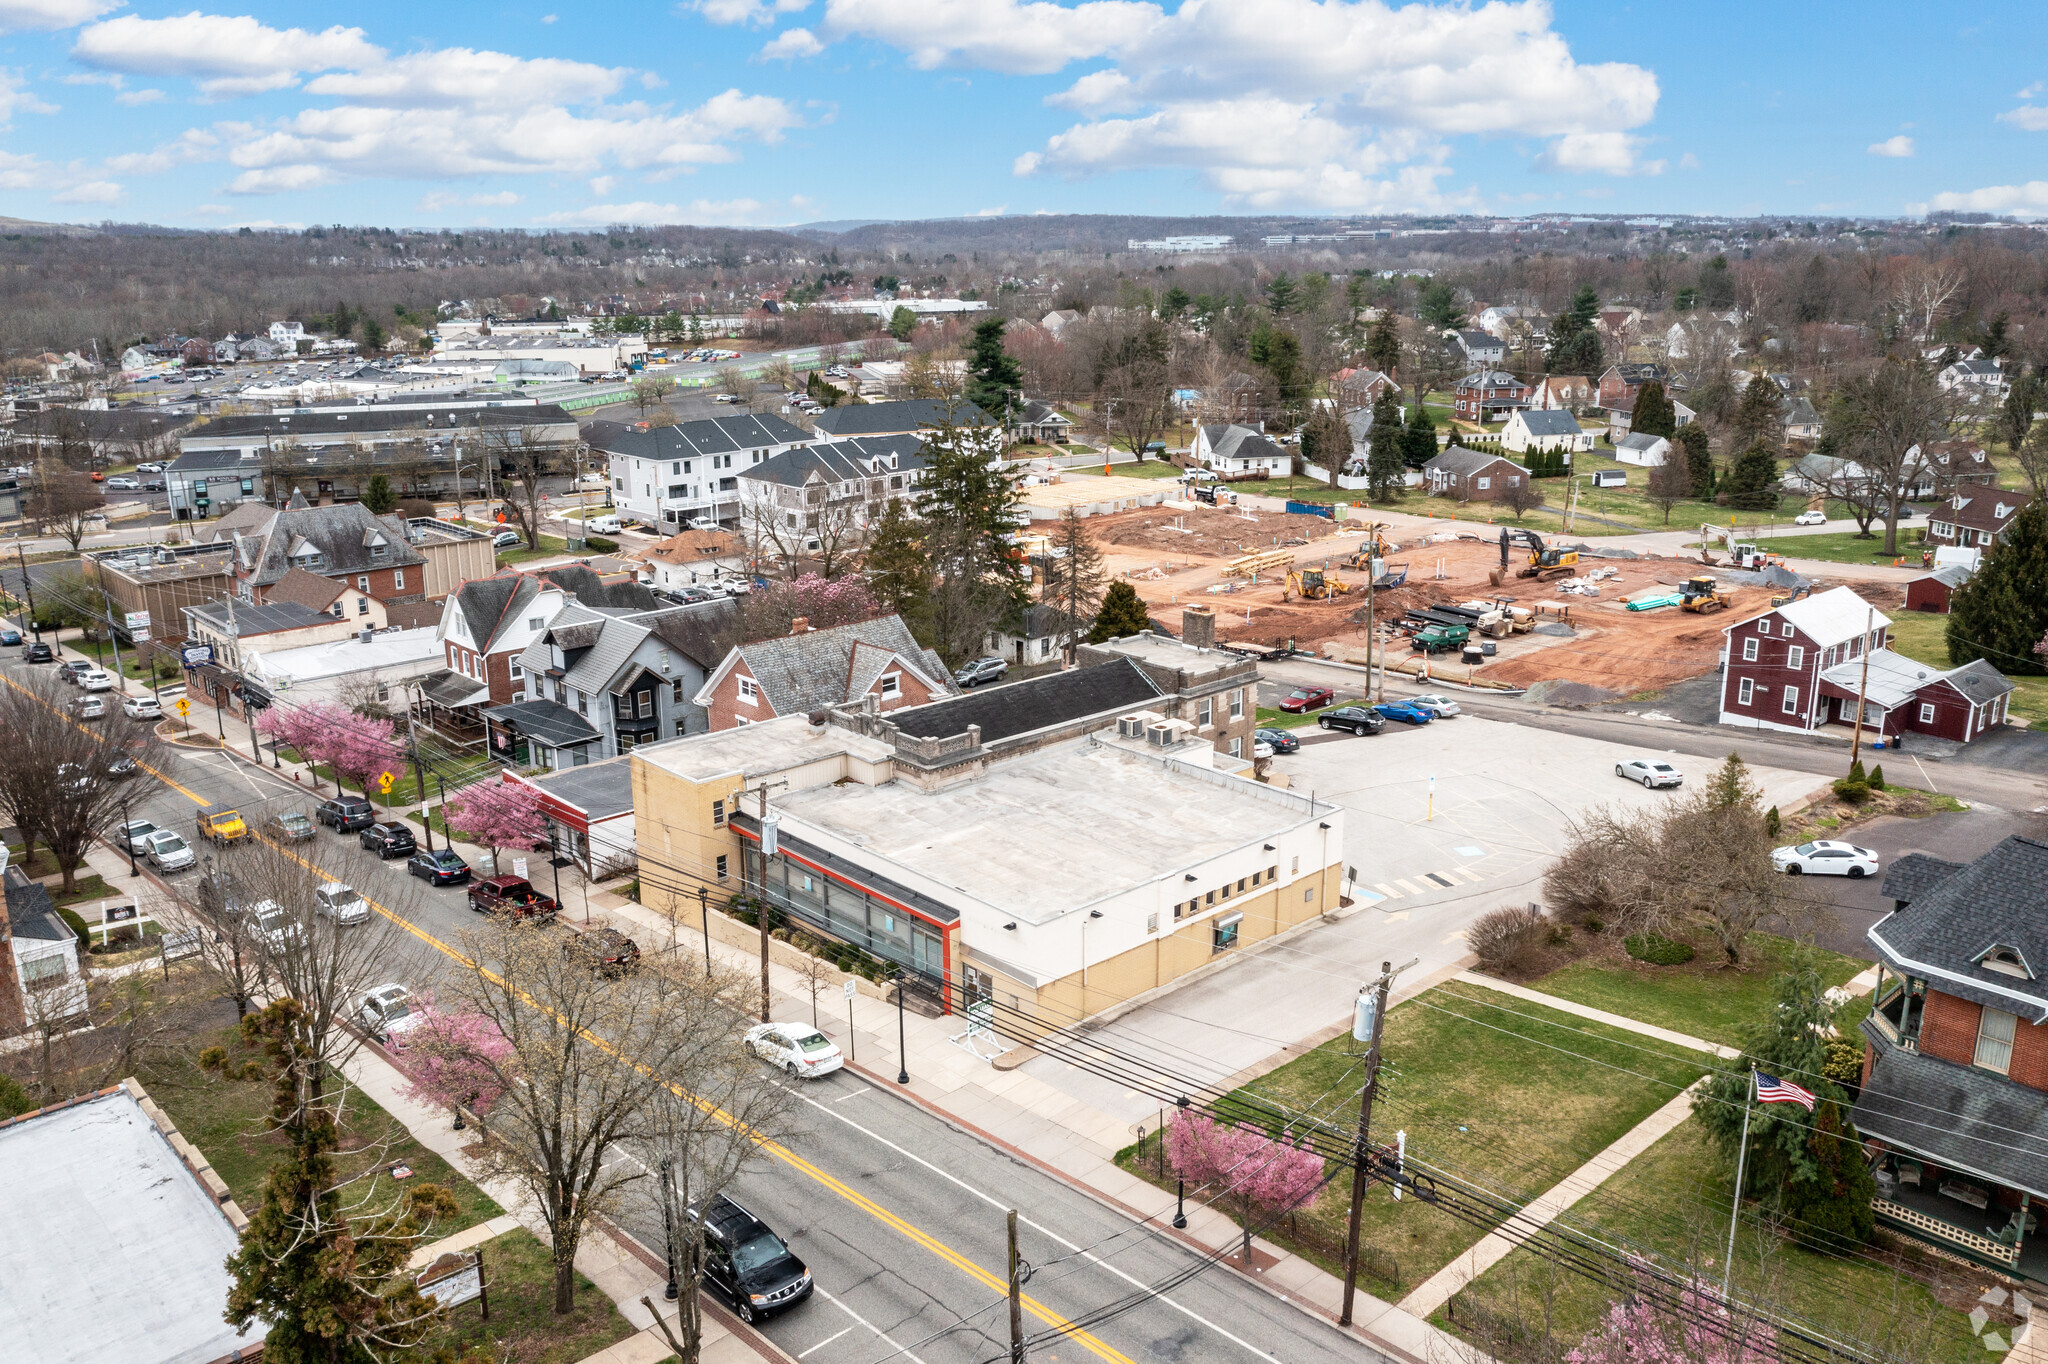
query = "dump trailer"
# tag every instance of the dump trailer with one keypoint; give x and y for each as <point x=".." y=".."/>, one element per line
<point x="1704" y="595"/>
<point x="1393" y="577"/>
<point x="1546" y="562"/>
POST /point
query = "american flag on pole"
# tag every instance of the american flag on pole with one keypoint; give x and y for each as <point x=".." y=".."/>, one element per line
<point x="1770" y="1090"/>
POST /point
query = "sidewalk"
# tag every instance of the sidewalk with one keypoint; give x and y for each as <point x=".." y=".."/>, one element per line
<point x="1021" y="1114"/>
<point x="622" y="1272"/>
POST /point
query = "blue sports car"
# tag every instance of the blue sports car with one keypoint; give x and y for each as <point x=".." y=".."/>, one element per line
<point x="1403" y="711"/>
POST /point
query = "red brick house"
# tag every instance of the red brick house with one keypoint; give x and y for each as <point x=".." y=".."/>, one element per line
<point x="348" y="543"/>
<point x="1953" y="1101"/>
<point x="1974" y="516"/>
<point x="1471" y="476"/>
<point x="1485" y="395"/>
<point x="485" y="626"/>
<point x="1620" y="383"/>
<point x="808" y="670"/>
<point x="1802" y="666"/>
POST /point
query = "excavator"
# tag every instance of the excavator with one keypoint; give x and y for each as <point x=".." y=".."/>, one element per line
<point x="1703" y="594"/>
<point x="1545" y="562"/>
<point x="1313" y="584"/>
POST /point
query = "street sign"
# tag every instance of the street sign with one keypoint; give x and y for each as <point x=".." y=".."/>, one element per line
<point x="135" y="620"/>
<point x="452" y="1279"/>
<point x="384" y="783"/>
<point x="197" y="655"/>
<point x="848" y="990"/>
<point x="182" y="706"/>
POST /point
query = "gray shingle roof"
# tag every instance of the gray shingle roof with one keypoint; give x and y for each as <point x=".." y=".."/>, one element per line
<point x="1549" y="421"/>
<point x="486" y="604"/>
<point x="1458" y="460"/>
<point x="887" y="419"/>
<point x="341" y="533"/>
<point x="252" y="618"/>
<point x="551" y="722"/>
<point x="840" y="460"/>
<point x="1490" y="378"/>
<point x="2001" y="899"/>
<point x="369" y="417"/>
<point x="1913" y="875"/>
<point x="806" y="672"/>
<point x="1233" y="440"/>
<point x="685" y="440"/>
<point x="1639" y="441"/>
<point x="1979" y="681"/>
<point x="30" y="911"/>
<point x="1111" y="688"/>
<point x="1960" y="1116"/>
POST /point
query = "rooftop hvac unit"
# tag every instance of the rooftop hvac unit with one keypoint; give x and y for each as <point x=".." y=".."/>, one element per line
<point x="1131" y="727"/>
<point x="1160" y="736"/>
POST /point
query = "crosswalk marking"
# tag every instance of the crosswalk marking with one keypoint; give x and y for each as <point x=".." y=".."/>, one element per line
<point x="1387" y="890"/>
<point x="1408" y="886"/>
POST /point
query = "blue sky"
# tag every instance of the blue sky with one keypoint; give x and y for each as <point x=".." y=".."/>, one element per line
<point x="521" y="114"/>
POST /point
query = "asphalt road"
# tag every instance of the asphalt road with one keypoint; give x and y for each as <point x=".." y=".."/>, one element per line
<point x="899" y="1214"/>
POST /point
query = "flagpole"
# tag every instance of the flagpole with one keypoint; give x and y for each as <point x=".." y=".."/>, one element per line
<point x="1741" y="1158"/>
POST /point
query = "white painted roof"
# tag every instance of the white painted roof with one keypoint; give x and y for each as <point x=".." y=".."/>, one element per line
<point x="1828" y="618"/>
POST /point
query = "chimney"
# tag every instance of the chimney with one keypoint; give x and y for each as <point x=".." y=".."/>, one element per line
<point x="800" y="626"/>
<point x="1198" y="626"/>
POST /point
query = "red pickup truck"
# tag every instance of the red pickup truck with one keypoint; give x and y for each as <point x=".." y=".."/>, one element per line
<point x="512" y="895"/>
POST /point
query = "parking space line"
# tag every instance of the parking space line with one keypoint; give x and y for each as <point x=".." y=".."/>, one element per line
<point x="826" y="1341"/>
<point x="865" y="1322"/>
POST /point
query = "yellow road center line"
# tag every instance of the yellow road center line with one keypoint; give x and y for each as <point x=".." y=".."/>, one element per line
<point x="1100" y="1348"/>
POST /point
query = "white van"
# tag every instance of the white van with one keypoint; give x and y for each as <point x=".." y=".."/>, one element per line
<point x="602" y="525"/>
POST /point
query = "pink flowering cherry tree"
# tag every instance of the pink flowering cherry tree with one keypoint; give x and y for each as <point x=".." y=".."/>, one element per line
<point x="359" y="748"/>
<point x="499" y="814"/>
<point x="1249" y="1170"/>
<point x="1637" y="1333"/>
<point x="456" y="1060"/>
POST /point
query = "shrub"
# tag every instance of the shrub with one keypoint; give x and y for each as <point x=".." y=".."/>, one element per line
<point x="1844" y="1064"/>
<point x="1857" y="774"/>
<point x="1594" y="924"/>
<point x="1877" y="777"/>
<point x="75" y="924"/>
<point x="1507" y="938"/>
<point x="1853" y="791"/>
<point x="1772" y="824"/>
<point x="599" y="544"/>
<point x="1657" y="951"/>
<point x="14" y="1100"/>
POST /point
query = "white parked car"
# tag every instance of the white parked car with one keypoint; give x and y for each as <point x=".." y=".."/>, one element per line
<point x="168" y="852"/>
<point x="1442" y="707"/>
<point x="141" y="708"/>
<point x="1810" y="518"/>
<point x="1651" y="772"/>
<point x="134" y="835"/>
<point x="798" y="1048"/>
<point x="341" y="903"/>
<point x="91" y="708"/>
<point x="123" y="483"/>
<point x="387" y="1012"/>
<point x="1825" y="857"/>
<point x="96" y="679"/>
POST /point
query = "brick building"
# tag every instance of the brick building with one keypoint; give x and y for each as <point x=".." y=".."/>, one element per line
<point x="1974" y="517"/>
<point x="1486" y="394"/>
<point x="808" y="670"/>
<point x="1954" y="1096"/>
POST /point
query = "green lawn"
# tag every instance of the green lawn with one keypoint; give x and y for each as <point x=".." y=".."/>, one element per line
<point x="87" y="889"/>
<point x="550" y="546"/>
<point x="1846" y="547"/>
<point x="1699" y="999"/>
<point x="1674" y="1198"/>
<point x="1518" y="1099"/>
<point x="229" y="1121"/>
<point x="1923" y="636"/>
<point x="519" y="1275"/>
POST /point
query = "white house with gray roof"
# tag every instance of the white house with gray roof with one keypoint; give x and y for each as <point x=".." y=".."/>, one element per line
<point x="1544" y="428"/>
<point x="1238" y="450"/>
<point x="786" y="501"/>
<point x="675" y="476"/>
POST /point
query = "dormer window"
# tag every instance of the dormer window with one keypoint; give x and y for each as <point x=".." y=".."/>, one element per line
<point x="2007" y="961"/>
<point x="379" y="553"/>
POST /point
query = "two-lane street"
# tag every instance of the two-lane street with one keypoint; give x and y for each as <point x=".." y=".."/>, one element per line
<point x="899" y="1214"/>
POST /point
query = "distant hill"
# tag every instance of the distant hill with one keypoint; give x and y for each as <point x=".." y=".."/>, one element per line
<point x="28" y="227"/>
<point x="1050" y="231"/>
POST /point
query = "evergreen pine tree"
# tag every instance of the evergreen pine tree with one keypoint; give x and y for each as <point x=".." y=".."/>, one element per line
<point x="2001" y="612"/>
<point x="994" y="378"/>
<point x="1383" y="344"/>
<point x="1699" y="459"/>
<point x="377" y="494"/>
<point x="1383" y="464"/>
<point x="1568" y="330"/>
<point x="1654" y="414"/>
<point x="1073" y="580"/>
<point x="1829" y="1200"/>
<point x="1418" y="441"/>
<point x="967" y="508"/>
<point x="898" y="569"/>
<point x="1123" y="613"/>
<point x="1877" y="777"/>
<point x="1753" y="480"/>
<point x="1756" y="416"/>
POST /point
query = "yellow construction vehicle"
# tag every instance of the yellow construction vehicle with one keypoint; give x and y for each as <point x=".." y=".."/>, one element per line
<point x="1376" y="545"/>
<point x="1313" y="584"/>
<point x="1545" y="562"/>
<point x="1703" y="594"/>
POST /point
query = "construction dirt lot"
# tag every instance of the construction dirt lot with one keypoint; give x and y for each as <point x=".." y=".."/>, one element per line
<point x="1176" y="556"/>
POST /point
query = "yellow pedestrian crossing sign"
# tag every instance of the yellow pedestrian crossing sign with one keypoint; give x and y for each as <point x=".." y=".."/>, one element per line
<point x="384" y="783"/>
<point x="182" y="706"/>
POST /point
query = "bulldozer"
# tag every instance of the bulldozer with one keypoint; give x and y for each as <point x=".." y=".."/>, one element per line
<point x="1313" y="584"/>
<point x="1545" y="562"/>
<point x="1703" y="594"/>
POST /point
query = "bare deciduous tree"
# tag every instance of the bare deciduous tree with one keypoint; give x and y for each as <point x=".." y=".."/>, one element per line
<point x="524" y="456"/>
<point x="1073" y="582"/>
<point x="63" y="781"/>
<point x="65" y="501"/>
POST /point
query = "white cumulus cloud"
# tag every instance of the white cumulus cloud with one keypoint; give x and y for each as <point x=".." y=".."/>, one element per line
<point x="440" y="200"/>
<point x="1340" y="104"/>
<point x="226" y="54"/>
<point x="791" y="43"/>
<point x="90" y="192"/>
<point x="131" y="98"/>
<point x="16" y="97"/>
<point x="723" y="212"/>
<point x="461" y="78"/>
<point x="2031" y="117"/>
<point x="2021" y="201"/>
<point x="747" y="11"/>
<point x="1900" y="146"/>
<point x="19" y="15"/>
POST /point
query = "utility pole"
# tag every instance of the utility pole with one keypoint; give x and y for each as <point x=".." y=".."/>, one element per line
<point x="242" y="680"/>
<point x="412" y="751"/>
<point x="29" y="590"/>
<point x="1863" y="687"/>
<point x="1368" y="1022"/>
<point x="768" y="849"/>
<point x="1016" y="1298"/>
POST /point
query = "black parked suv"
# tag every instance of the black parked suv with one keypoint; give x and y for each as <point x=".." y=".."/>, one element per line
<point x="347" y="814"/>
<point x="388" y="840"/>
<point x="750" y="1265"/>
<point x="39" y="653"/>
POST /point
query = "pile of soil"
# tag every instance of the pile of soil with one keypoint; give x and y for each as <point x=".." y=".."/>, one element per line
<point x="1570" y="695"/>
<point x="1208" y="530"/>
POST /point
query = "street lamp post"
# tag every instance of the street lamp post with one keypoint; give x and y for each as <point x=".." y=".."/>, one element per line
<point x="668" y="1225"/>
<point x="902" y="1061"/>
<point x="704" y="907"/>
<point x="128" y="837"/>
